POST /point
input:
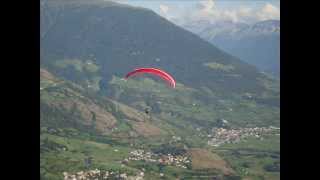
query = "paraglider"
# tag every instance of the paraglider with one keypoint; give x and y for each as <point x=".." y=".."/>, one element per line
<point x="154" y="71"/>
<point x="146" y="110"/>
<point x="158" y="72"/>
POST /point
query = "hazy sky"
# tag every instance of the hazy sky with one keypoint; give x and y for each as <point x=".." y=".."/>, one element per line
<point x="212" y="10"/>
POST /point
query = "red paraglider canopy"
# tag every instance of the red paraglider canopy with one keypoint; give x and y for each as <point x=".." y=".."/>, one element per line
<point x="158" y="72"/>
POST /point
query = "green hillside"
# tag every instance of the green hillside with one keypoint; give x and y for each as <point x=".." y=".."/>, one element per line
<point x="70" y="135"/>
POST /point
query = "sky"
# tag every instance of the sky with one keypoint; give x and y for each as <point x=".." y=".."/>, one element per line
<point x="184" y="11"/>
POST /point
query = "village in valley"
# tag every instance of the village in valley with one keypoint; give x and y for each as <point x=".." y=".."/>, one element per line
<point x="221" y="136"/>
<point x="97" y="174"/>
<point x="181" y="161"/>
<point x="217" y="137"/>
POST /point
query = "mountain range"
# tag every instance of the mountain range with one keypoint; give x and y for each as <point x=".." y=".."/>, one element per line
<point x="257" y="44"/>
<point x="105" y="34"/>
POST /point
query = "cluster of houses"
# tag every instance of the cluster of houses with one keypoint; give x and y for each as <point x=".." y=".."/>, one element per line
<point x="97" y="174"/>
<point x="140" y="154"/>
<point x="175" y="139"/>
<point x="179" y="161"/>
<point x="221" y="136"/>
<point x="167" y="159"/>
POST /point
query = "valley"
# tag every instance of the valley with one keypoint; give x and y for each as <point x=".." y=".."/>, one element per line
<point x="220" y="122"/>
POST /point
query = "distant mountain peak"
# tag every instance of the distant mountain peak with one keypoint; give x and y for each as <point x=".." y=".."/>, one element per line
<point x="268" y="26"/>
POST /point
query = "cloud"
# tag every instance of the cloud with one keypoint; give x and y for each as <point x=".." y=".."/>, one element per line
<point x="164" y="9"/>
<point x="244" y="11"/>
<point x="268" y="11"/>
<point x="206" y="6"/>
<point x="208" y="10"/>
<point x="171" y="13"/>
